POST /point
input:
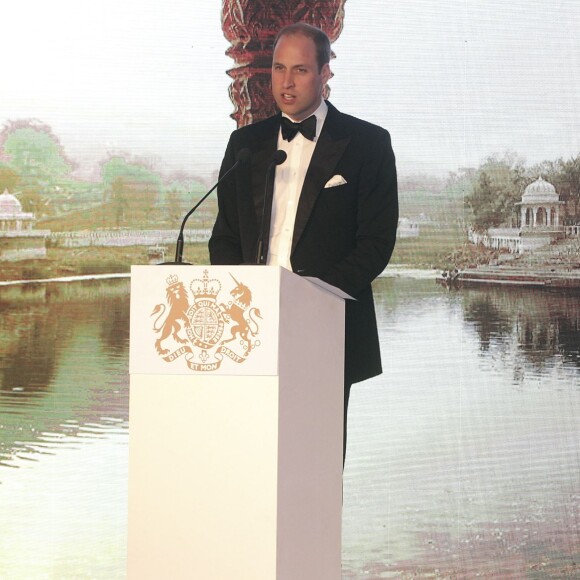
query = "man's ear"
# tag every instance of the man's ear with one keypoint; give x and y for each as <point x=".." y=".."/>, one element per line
<point x="325" y="72"/>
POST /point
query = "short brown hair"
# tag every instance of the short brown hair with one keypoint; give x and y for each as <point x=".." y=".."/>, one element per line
<point x="321" y="41"/>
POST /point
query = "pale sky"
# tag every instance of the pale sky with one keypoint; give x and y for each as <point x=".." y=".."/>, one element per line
<point x="453" y="81"/>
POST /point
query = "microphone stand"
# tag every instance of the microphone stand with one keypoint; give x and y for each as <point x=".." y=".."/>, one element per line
<point x="278" y="158"/>
<point x="180" y="238"/>
<point x="243" y="157"/>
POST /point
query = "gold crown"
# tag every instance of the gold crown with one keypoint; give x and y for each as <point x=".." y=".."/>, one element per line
<point x="171" y="280"/>
<point x="205" y="288"/>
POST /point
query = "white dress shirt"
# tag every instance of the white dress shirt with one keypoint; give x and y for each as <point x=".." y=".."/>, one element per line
<point x="288" y="184"/>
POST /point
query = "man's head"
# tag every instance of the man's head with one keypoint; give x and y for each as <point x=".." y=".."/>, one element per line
<point x="300" y="69"/>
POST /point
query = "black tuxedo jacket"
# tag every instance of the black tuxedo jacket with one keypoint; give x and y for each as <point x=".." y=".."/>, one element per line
<point x="343" y="235"/>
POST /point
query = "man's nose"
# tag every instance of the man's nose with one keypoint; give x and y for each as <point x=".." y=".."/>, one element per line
<point x="288" y="79"/>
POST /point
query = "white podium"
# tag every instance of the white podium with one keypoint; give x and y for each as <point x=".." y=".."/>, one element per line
<point x="236" y="410"/>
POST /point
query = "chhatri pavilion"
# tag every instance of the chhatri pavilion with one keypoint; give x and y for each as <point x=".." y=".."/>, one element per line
<point x="540" y="223"/>
<point x="18" y="238"/>
<point x="540" y="206"/>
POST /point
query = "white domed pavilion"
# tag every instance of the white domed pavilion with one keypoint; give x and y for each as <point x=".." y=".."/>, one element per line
<point x="539" y="222"/>
<point x="18" y="238"/>
<point x="12" y="218"/>
<point x="540" y="206"/>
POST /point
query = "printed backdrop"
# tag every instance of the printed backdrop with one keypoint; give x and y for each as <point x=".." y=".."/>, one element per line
<point x="462" y="457"/>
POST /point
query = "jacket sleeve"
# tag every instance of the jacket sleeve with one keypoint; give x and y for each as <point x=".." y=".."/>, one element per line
<point x="225" y="244"/>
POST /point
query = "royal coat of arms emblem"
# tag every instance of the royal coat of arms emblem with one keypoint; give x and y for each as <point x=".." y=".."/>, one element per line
<point x="197" y="324"/>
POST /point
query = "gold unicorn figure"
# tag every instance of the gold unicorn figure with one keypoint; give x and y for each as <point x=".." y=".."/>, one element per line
<point x="245" y="327"/>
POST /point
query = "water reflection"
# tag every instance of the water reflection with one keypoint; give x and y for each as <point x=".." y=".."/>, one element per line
<point x="541" y="330"/>
<point x="463" y="455"/>
<point x="462" y="460"/>
<point x="63" y="350"/>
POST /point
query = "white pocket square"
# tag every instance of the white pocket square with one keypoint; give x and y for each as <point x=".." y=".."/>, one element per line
<point x="335" y="180"/>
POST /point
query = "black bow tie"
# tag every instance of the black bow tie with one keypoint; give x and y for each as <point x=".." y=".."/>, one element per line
<point x="306" y="127"/>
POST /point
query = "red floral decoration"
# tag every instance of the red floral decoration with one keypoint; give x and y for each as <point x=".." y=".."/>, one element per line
<point x="251" y="26"/>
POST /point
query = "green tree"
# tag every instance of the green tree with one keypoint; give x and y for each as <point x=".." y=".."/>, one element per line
<point x="564" y="175"/>
<point x="133" y="189"/>
<point x="119" y="193"/>
<point x="182" y="194"/>
<point x="8" y="179"/>
<point x="497" y="186"/>
<point x="32" y="151"/>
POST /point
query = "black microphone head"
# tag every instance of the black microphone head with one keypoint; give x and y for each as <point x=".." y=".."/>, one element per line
<point x="279" y="157"/>
<point x="244" y="155"/>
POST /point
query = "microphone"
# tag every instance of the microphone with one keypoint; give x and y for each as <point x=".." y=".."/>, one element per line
<point x="277" y="159"/>
<point x="243" y="157"/>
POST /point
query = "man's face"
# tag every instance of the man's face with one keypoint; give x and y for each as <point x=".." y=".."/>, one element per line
<point x="296" y="81"/>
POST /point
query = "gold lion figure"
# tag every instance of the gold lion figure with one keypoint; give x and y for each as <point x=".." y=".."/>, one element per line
<point x="178" y="306"/>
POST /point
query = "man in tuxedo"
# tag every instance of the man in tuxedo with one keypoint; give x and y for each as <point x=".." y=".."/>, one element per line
<point x="333" y="210"/>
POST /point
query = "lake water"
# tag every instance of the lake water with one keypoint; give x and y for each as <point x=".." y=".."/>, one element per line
<point x="463" y="457"/>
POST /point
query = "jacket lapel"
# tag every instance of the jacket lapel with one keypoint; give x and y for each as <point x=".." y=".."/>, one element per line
<point x="331" y="144"/>
<point x="264" y="147"/>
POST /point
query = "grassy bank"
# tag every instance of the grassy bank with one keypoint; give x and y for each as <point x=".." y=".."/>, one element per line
<point x="437" y="247"/>
<point x="430" y="248"/>
<point x="440" y="247"/>
<point x="92" y="260"/>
